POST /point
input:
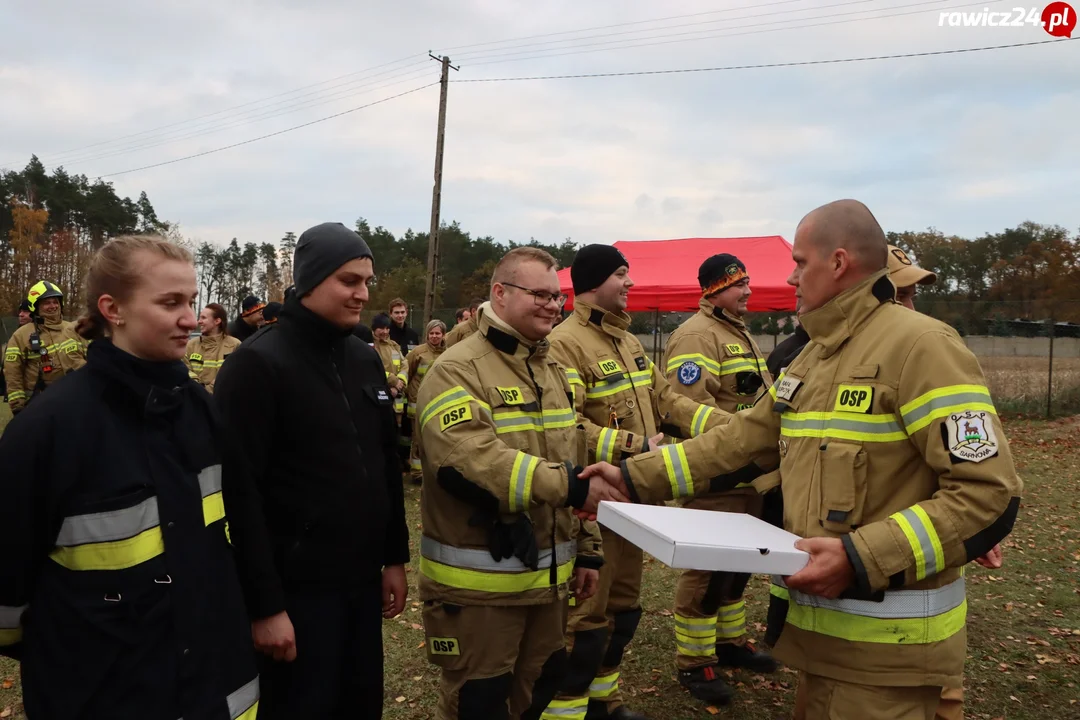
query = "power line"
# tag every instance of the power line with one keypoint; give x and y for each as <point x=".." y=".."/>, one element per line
<point x="269" y="135"/>
<point x="726" y="32"/>
<point x="761" y="66"/>
<point x="248" y="104"/>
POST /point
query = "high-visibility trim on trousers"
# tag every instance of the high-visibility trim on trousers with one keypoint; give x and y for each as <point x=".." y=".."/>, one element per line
<point x="210" y="485"/>
<point x="695" y="637"/>
<point x="731" y="620"/>
<point x="244" y="703"/>
<point x="572" y="709"/>
<point x="907" y="617"/>
<point x="11" y="624"/>
<point x="473" y="569"/>
<point x="604" y="686"/>
<point x="112" y="540"/>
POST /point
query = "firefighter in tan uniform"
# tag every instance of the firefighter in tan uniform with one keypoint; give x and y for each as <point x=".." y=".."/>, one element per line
<point x="712" y="359"/>
<point x="893" y="464"/>
<point x="417" y="364"/>
<point x="625" y="405"/>
<point x="393" y="362"/>
<point x="42" y="351"/>
<point x="206" y="354"/>
<point x="463" y="330"/>
<point x="502" y="451"/>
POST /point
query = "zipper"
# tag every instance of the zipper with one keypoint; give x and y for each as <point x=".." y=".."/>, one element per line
<point x="348" y="405"/>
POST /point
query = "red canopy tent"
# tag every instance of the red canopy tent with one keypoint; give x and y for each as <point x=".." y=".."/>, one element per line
<point x="665" y="272"/>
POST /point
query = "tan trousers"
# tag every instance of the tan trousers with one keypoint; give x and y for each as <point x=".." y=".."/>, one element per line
<point x="709" y="606"/>
<point x="615" y="606"/>
<point x="490" y="656"/>
<point x="822" y="698"/>
<point x="416" y="472"/>
<point x="951" y="705"/>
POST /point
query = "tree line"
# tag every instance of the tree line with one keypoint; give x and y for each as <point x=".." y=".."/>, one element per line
<point x="51" y="223"/>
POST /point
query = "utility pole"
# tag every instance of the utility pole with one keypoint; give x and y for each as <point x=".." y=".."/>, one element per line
<point x="436" y="195"/>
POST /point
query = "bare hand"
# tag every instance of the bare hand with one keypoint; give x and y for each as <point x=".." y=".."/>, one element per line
<point x="829" y="571"/>
<point x="992" y="559"/>
<point x="394" y="391"/>
<point x="274" y="636"/>
<point x="654" y="441"/>
<point x="584" y="583"/>
<point x="600" y="489"/>
<point x="395" y="589"/>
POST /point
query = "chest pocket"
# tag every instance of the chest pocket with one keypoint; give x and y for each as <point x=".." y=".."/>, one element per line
<point x="196" y="361"/>
<point x="609" y="384"/>
<point x="741" y="364"/>
<point x="516" y="413"/>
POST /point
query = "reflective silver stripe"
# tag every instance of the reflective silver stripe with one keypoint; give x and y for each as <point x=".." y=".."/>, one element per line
<point x="108" y="526"/>
<point x="945" y="401"/>
<point x="793" y="422"/>
<point x="671" y="452"/>
<point x="576" y="711"/>
<point x="608" y="387"/>
<point x="897" y="603"/>
<point x="11" y="617"/>
<point x="923" y="534"/>
<point x="531" y="421"/>
<point x="601" y="687"/>
<point x="473" y="559"/>
<point x="210" y="480"/>
<point x="242" y="700"/>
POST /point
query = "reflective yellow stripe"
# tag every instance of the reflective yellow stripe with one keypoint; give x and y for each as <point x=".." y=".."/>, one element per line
<point x="10" y="637"/>
<point x="701" y="416"/>
<point x="492" y="581"/>
<point x="454" y="396"/>
<point x="695" y="637"/>
<point x="250" y="714"/>
<point x="898" y="631"/>
<point x="709" y="364"/>
<point x="414" y="463"/>
<point x="411" y="410"/>
<point x="731" y="620"/>
<point x="559" y="418"/>
<point x="12" y="354"/>
<point x="641" y="378"/>
<point x="842" y="426"/>
<point x="16" y="395"/>
<point x="11" y="624"/>
<point x="776" y="384"/>
<point x="213" y="508"/>
<point x="780" y="592"/>
<point x="244" y="703"/>
<point x="678" y="471"/>
<point x="606" y="388"/>
<point x="923" y="539"/>
<point x="604" y="686"/>
<point x="573" y="709"/>
<point x="117" y="555"/>
<point x="521" y="478"/>
<point x="738" y="365"/>
<point x="605" y="445"/>
<point x="939" y="403"/>
<point x="574" y="377"/>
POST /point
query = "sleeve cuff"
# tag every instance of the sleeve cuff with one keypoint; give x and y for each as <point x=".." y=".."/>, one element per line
<point x="634" y="497"/>
<point x="577" y="487"/>
<point x="589" y="562"/>
<point x="862" y="578"/>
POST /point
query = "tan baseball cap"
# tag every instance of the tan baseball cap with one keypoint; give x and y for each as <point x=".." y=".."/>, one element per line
<point x="903" y="272"/>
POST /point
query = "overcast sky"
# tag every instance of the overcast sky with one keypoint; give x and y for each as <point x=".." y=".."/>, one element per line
<point x="968" y="143"/>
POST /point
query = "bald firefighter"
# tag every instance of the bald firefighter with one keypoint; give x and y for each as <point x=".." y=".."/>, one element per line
<point x="43" y="350"/>
<point x="417" y="364"/>
<point x="502" y="454"/>
<point x="393" y="361"/>
<point x="894" y="466"/>
<point x="625" y="406"/>
<point x="464" y="329"/>
<point x="712" y="359"/>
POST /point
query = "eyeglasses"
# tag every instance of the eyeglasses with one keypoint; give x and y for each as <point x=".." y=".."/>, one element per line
<point x="541" y="297"/>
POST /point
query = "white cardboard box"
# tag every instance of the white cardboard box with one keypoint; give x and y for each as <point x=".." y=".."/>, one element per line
<point x="704" y="540"/>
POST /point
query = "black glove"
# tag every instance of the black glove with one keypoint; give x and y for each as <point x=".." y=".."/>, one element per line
<point x="748" y="383"/>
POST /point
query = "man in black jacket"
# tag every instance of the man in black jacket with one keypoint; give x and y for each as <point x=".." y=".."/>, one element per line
<point x="400" y="332"/>
<point x="312" y="489"/>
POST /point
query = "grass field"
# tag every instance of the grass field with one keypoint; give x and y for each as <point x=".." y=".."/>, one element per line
<point x="1024" y="620"/>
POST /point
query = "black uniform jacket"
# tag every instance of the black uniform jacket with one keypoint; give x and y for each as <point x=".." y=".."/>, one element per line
<point x="311" y="475"/>
<point x="405" y="337"/>
<point x="118" y="554"/>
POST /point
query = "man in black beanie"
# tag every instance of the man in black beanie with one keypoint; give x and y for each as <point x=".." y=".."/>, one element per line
<point x="249" y="320"/>
<point x="312" y="489"/>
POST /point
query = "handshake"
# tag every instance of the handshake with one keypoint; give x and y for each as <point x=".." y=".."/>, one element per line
<point x="605" y="483"/>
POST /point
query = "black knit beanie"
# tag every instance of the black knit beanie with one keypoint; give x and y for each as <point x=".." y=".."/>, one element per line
<point x="323" y="249"/>
<point x="720" y="272"/>
<point x="382" y="320"/>
<point x="593" y="265"/>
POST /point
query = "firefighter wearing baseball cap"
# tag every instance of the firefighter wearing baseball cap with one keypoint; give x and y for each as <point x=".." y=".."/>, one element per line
<point x="393" y="360"/>
<point x="625" y="405"/>
<point x="712" y="358"/>
<point x="43" y="350"/>
<point x="417" y="363"/>
<point x="502" y="453"/>
<point x="876" y="622"/>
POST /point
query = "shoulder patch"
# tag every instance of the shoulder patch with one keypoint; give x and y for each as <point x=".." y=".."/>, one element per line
<point x="455" y="416"/>
<point x="640" y="362"/>
<point x="511" y="395"/>
<point x="609" y="367"/>
<point x="444" y="646"/>
<point x="969" y="436"/>
<point x="787" y="387"/>
<point x="689" y="373"/>
<point x="854" y="399"/>
<point x="734" y="349"/>
<point x="12" y="355"/>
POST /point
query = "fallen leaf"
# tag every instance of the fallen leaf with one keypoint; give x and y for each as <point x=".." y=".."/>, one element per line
<point x="400" y="699"/>
<point x="7" y="684"/>
<point x="712" y="711"/>
<point x="6" y="712"/>
<point x="416" y="626"/>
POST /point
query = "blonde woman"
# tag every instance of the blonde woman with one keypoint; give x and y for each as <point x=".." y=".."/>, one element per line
<point x="418" y="361"/>
<point x="206" y="354"/>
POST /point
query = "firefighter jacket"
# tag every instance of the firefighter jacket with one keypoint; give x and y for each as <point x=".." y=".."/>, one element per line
<point x="121" y="596"/>
<point x="888" y="439"/>
<point x="712" y="359"/>
<point x="42" y="351"/>
<point x="417" y="364"/>
<point x="461" y="331"/>
<point x="502" y="450"/>
<point x="205" y="355"/>
<point x="394" y="363"/>
<point x="620" y="396"/>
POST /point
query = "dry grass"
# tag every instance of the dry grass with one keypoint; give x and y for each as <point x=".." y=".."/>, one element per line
<point x="1018" y="384"/>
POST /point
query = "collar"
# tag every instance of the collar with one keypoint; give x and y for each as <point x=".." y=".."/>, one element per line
<point x="614" y="324"/>
<point x="144" y="378"/>
<point x="506" y="339"/>
<point x="312" y="326"/>
<point x="720" y="315"/>
<point x="842" y="317"/>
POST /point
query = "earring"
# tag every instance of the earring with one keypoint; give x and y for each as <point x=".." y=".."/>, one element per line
<point x="119" y="322"/>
